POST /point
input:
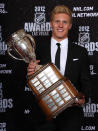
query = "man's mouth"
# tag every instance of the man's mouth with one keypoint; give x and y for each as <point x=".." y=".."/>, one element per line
<point x="60" y="30"/>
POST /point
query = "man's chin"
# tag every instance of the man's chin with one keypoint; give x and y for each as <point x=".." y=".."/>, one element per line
<point x="61" y="38"/>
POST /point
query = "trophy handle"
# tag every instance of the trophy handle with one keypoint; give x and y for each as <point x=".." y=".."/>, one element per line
<point x="9" y="49"/>
<point x="32" y="40"/>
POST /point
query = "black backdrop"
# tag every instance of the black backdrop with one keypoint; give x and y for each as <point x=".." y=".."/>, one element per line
<point x="16" y="99"/>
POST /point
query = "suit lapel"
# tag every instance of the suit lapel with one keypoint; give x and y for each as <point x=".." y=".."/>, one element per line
<point x="69" y="59"/>
<point x="49" y="53"/>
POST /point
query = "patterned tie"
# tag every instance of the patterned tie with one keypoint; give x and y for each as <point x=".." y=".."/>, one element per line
<point x="57" y="56"/>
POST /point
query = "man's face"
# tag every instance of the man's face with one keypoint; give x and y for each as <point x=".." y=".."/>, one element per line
<point x="60" y="25"/>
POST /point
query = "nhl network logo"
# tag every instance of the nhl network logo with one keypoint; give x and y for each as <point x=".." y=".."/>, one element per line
<point x="40" y="27"/>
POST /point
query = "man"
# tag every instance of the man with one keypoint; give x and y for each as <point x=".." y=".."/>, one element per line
<point x="73" y="64"/>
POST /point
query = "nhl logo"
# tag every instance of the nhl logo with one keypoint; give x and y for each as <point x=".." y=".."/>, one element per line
<point x="39" y="18"/>
<point x="84" y="38"/>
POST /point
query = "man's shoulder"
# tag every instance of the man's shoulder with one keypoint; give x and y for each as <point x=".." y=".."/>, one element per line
<point x="78" y="47"/>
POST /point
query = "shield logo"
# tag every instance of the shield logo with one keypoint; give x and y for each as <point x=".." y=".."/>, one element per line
<point x="39" y="18"/>
<point x="84" y="38"/>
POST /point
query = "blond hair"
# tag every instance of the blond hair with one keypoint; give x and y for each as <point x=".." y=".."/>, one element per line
<point x="61" y="9"/>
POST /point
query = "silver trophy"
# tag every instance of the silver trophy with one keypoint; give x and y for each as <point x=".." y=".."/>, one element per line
<point x="53" y="92"/>
<point x="23" y="44"/>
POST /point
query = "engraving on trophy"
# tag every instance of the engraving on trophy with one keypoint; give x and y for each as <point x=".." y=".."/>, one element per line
<point x="40" y="75"/>
<point x="62" y="91"/>
<point x="53" y="92"/>
<point x="41" y="90"/>
<point x="34" y="80"/>
<point x="67" y="98"/>
<point x="49" y="101"/>
<point x="43" y="78"/>
<point x="48" y="85"/>
<point x="39" y="87"/>
<point x="48" y="70"/>
<point x="54" y="108"/>
<point x="60" y="87"/>
<point x="51" y="104"/>
<point x="65" y="94"/>
<point x="61" y="103"/>
<point x="46" y="97"/>
<point x="58" y="100"/>
<point x="55" y="96"/>
<point x="36" y="83"/>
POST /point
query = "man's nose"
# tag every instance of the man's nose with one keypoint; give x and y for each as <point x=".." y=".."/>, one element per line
<point x="61" y="24"/>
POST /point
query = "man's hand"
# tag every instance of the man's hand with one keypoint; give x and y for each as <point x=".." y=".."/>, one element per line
<point x="32" y="67"/>
<point x="80" y="101"/>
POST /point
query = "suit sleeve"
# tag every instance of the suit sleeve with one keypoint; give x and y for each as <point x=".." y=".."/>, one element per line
<point x="85" y="74"/>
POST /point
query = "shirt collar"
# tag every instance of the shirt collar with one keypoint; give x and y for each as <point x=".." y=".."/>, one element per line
<point x="53" y="41"/>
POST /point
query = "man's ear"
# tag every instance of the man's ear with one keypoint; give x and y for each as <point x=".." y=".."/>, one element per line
<point x="70" y="26"/>
<point x="50" y="24"/>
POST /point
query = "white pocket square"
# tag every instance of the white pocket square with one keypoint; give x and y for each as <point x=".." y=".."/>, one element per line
<point x="75" y="59"/>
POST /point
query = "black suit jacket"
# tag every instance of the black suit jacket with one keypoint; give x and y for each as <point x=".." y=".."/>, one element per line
<point x="77" y="71"/>
<point x="77" y="64"/>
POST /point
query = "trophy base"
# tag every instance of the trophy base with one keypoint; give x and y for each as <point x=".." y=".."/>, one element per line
<point x="53" y="92"/>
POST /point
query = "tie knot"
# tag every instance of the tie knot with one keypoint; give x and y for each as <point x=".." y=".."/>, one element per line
<point x="58" y="44"/>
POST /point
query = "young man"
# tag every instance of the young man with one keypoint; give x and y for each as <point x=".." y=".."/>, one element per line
<point x="73" y="65"/>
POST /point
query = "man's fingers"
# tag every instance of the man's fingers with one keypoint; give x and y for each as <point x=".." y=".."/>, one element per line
<point x="32" y="67"/>
<point x="30" y="73"/>
<point x="33" y="64"/>
<point x="37" y="61"/>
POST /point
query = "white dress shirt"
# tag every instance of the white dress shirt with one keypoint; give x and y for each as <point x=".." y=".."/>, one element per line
<point x="63" y="54"/>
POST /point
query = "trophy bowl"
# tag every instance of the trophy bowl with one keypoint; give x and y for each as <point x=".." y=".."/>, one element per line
<point x="22" y="44"/>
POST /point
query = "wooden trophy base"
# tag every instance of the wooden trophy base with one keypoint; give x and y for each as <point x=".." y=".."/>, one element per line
<point x="53" y="92"/>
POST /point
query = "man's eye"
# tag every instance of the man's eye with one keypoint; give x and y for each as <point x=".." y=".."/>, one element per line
<point x="64" y="22"/>
<point x="57" y="21"/>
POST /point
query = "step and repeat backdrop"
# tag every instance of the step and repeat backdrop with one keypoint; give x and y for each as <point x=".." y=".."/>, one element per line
<point x="16" y="99"/>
